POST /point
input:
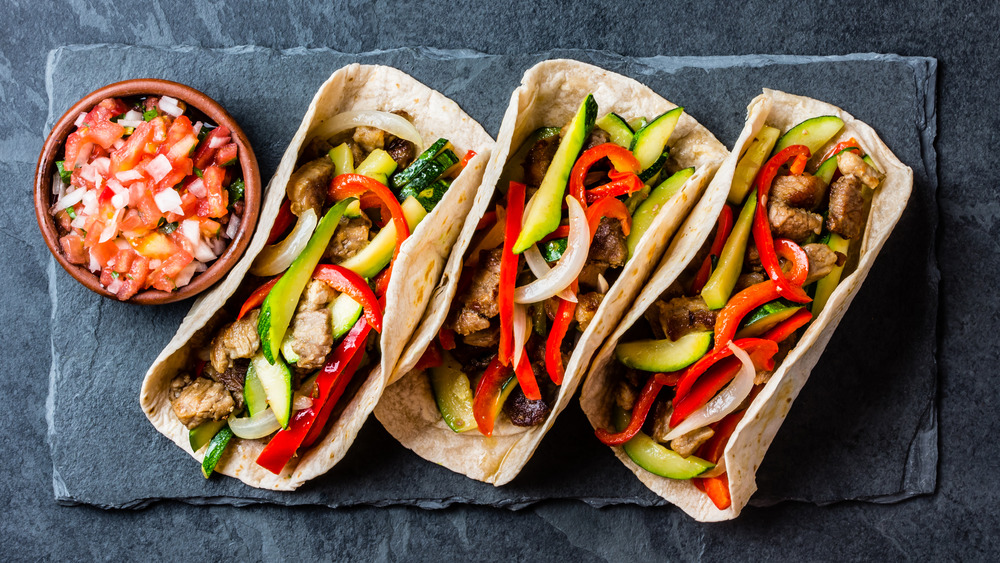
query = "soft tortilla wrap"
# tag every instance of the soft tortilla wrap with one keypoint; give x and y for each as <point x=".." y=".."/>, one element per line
<point x="549" y="95"/>
<point x="753" y="435"/>
<point x="416" y="270"/>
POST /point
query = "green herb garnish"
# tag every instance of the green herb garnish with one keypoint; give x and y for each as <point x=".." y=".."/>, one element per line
<point x="149" y="115"/>
<point x="236" y="190"/>
<point x="64" y="174"/>
<point x="71" y="212"/>
<point x="198" y="172"/>
<point x="114" y="274"/>
<point x="167" y="228"/>
<point x="553" y="249"/>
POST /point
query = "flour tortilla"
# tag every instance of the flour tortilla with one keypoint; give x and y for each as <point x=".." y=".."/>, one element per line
<point x="746" y="448"/>
<point x="416" y="270"/>
<point x="549" y="95"/>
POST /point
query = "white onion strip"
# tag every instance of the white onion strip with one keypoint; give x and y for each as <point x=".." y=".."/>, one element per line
<point x="539" y="267"/>
<point x="257" y="426"/>
<point x="722" y="404"/>
<point x="276" y="258"/>
<point x="522" y="327"/>
<point x="570" y="264"/>
<point x="72" y="198"/>
<point x="389" y="122"/>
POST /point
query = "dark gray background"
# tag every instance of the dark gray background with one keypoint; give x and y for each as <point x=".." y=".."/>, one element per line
<point x="957" y="522"/>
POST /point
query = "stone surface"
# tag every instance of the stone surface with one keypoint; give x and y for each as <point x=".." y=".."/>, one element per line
<point x="958" y="521"/>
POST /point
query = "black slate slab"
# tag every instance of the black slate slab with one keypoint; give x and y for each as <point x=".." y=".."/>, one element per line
<point x="864" y="428"/>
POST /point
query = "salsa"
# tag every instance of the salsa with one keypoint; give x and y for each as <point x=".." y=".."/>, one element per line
<point x="146" y="197"/>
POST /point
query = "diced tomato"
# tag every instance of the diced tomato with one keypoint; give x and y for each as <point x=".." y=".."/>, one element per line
<point x="65" y="223"/>
<point x="105" y="133"/>
<point x="72" y="247"/>
<point x="226" y="155"/>
<point x="204" y="155"/>
<point x="104" y="252"/>
<point x="135" y="279"/>
<point x="106" y="109"/>
<point x="164" y="277"/>
<point x="182" y="169"/>
<point x="77" y="143"/>
<point x="209" y="228"/>
<point x="132" y="222"/>
<point x="156" y="245"/>
<point x="218" y="198"/>
<point x="76" y="179"/>
<point x="160" y="126"/>
<point x="149" y="213"/>
<point x="126" y="157"/>
<point x="181" y="241"/>
<point x="94" y="227"/>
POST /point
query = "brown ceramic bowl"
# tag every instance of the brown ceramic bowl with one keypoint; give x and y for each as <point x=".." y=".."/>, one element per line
<point x="53" y="149"/>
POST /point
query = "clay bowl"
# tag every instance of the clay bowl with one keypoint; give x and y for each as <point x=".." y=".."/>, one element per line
<point x="53" y="150"/>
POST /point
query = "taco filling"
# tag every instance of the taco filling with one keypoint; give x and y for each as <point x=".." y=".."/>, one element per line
<point x="279" y="370"/>
<point x="716" y="335"/>
<point x="571" y="206"/>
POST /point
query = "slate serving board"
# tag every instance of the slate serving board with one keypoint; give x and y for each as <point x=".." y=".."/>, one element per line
<point x="864" y="428"/>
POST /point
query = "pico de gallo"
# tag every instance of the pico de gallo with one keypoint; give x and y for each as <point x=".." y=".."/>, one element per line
<point x="147" y="195"/>
<point x="312" y="307"/>
<point x="569" y="210"/>
<point x="717" y="334"/>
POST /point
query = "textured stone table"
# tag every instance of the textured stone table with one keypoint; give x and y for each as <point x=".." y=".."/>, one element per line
<point x="958" y="521"/>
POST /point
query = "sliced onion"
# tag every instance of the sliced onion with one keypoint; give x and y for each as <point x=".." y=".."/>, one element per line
<point x="539" y="267"/>
<point x="80" y="119"/>
<point x="570" y="264"/>
<point x="217" y="142"/>
<point x="169" y="106"/>
<point x="277" y="257"/>
<point x="389" y="122"/>
<point x="722" y="404"/>
<point x="159" y="167"/>
<point x="72" y="198"/>
<point x="257" y="426"/>
<point x="233" y="227"/>
<point x="719" y="469"/>
<point x="492" y="239"/>
<point x="522" y="328"/>
<point x="602" y="284"/>
<point x="197" y="127"/>
<point x="128" y="175"/>
<point x="169" y="200"/>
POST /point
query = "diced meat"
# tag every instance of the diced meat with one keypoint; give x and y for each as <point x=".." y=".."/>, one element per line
<point x="523" y="412"/>
<point x="317" y="148"/>
<point x="478" y="303"/>
<point x="402" y="151"/>
<point x="747" y="279"/>
<point x="851" y="164"/>
<point x="538" y="159"/>
<point x="609" y="244"/>
<point x="683" y="315"/>
<point x="486" y="338"/>
<point x="233" y="379"/>
<point x="199" y="400"/>
<point x="752" y="259"/>
<point x="804" y="191"/>
<point x="690" y="442"/>
<point x="308" y="185"/>
<point x="592" y="269"/>
<point x="370" y="138"/>
<point x="473" y="359"/>
<point x="350" y="238"/>
<point x="847" y="207"/>
<point x="791" y="222"/>
<point x="317" y="295"/>
<point x="661" y="420"/>
<point x="237" y="340"/>
<point x="596" y="137"/>
<point x="311" y="338"/>
<point x="586" y="308"/>
<point x="625" y="395"/>
<point x="821" y="261"/>
<point x="357" y="155"/>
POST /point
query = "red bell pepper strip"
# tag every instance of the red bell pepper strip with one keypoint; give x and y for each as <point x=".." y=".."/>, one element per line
<point x="728" y="320"/>
<point x="335" y="394"/>
<point x="725" y="226"/>
<point x="485" y="401"/>
<point x="622" y="183"/>
<point x="526" y="378"/>
<point x="257" y="297"/>
<point x="562" y="231"/>
<point x="718" y="376"/>
<point x="717" y="488"/>
<point x="432" y="357"/>
<point x="621" y="159"/>
<point x="487" y="221"/>
<point x="611" y="208"/>
<point x="465" y="159"/>
<point x="793" y="253"/>
<point x="447" y="338"/>
<point x="762" y="227"/>
<point x="695" y="370"/>
<point x="330" y="384"/>
<point x="851" y="143"/>
<point x="553" y="344"/>
<point x="639" y="413"/>
<point x="785" y="329"/>
<point x="347" y="185"/>
<point x="382" y="282"/>
<point x="346" y="281"/>
<point x="508" y="270"/>
<point x="281" y="222"/>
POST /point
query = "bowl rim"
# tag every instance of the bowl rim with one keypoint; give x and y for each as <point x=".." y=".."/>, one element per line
<point x="56" y="140"/>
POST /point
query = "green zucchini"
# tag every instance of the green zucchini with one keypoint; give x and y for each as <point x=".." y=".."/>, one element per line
<point x="616" y="126"/>
<point x="429" y="196"/>
<point x="664" y="355"/>
<point x="344" y="314"/>
<point x="650" y="174"/>
<point x="343" y="159"/>
<point x="825" y="286"/>
<point x="646" y="211"/>
<point x="553" y="250"/>
<point x="637" y="123"/>
<point x="650" y="142"/>
<point x="378" y="253"/>
<point x="276" y="380"/>
<point x="750" y="163"/>
<point x="720" y="284"/>
<point x="403" y="177"/>
<point x="253" y="392"/>
<point x="766" y="317"/>
<point x="513" y="171"/>
<point x="656" y="458"/>
<point x="204" y="432"/>
<point x="215" y="449"/>
<point x="378" y="166"/>
<point x="453" y="395"/>
<point x="813" y="133"/>
<point x="429" y="174"/>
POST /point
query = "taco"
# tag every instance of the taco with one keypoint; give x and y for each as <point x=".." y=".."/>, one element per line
<point x="591" y="174"/>
<point x="692" y="386"/>
<point x="271" y="375"/>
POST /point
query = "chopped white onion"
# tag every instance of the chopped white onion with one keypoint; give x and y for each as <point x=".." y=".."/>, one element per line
<point x="94" y="265"/>
<point x="389" y="122"/>
<point x="204" y="253"/>
<point x="602" y="284"/>
<point x="185" y="275"/>
<point x="197" y="188"/>
<point x="122" y="244"/>
<point x="80" y="119"/>
<point x="201" y="267"/>
<point x="217" y="142"/>
<point x="570" y="264"/>
<point x="128" y="175"/>
<point x="191" y="231"/>
<point x="84" y="155"/>
<point x="301" y="402"/>
<point x="218" y="246"/>
<point x="89" y="172"/>
<point x="539" y="267"/>
<point x="257" y="426"/>
<point x="522" y="327"/>
<point x="70" y="199"/>
<point x="80" y="221"/>
<point x="58" y="187"/>
<point x="168" y="200"/>
<point x="722" y="404"/>
<point x="111" y="229"/>
<point x="90" y="202"/>
<point x="276" y="258"/>
<point x="159" y="167"/>
<point x="233" y="227"/>
<point x="119" y="200"/>
<point x="102" y="164"/>
<point x="197" y="127"/>
<point x="132" y="118"/>
<point x="115" y="285"/>
<point x="169" y="106"/>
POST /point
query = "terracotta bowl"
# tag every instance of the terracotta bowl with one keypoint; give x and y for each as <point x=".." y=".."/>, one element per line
<point x="53" y="149"/>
